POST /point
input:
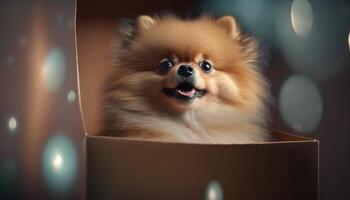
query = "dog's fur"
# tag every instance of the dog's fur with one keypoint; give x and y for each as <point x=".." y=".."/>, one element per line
<point x="232" y="111"/>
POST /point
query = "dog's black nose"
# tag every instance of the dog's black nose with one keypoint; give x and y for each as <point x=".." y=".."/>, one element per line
<point x="185" y="70"/>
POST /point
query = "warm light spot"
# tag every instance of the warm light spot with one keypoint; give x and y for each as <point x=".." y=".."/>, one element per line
<point x="60" y="162"/>
<point x="12" y="124"/>
<point x="57" y="162"/>
<point x="214" y="191"/>
<point x="71" y="96"/>
<point x="349" y="40"/>
<point x="212" y="194"/>
<point x="302" y="17"/>
<point x="54" y="69"/>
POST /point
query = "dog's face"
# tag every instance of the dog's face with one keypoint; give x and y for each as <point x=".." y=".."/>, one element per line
<point x="176" y="65"/>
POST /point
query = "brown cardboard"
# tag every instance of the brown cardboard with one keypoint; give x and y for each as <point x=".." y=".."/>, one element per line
<point x="131" y="169"/>
<point x="119" y="168"/>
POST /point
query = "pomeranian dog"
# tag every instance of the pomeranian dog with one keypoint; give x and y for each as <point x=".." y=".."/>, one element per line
<point x="191" y="81"/>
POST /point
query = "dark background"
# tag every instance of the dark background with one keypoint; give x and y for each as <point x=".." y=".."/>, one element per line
<point x="306" y="46"/>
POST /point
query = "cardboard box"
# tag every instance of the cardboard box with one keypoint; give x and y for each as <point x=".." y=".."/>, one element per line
<point x="120" y="168"/>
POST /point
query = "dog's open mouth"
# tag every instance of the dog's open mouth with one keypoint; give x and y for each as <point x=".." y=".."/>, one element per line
<point x="184" y="91"/>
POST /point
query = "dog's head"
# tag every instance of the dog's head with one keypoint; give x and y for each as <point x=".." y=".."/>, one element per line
<point x="178" y="65"/>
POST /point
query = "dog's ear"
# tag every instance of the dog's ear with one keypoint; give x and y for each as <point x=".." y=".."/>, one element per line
<point x="129" y="28"/>
<point x="230" y="25"/>
<point x="249" y="46"/>
<point x="145" y="22"/>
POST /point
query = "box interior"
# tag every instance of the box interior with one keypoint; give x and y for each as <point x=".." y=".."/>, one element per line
<point x="96" y="26"/>
<point x="285" y="168"/>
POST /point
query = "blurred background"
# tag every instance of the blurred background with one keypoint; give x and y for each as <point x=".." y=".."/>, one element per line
<point x="306" y="50"/>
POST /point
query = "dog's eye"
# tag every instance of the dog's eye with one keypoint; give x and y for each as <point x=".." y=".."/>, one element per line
<point x="165" y="65"/>
<point x="206" y="66"/>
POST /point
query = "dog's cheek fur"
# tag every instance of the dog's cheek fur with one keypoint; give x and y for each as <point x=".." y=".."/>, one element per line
<point x="135" y="90"/>
<point x="254" y="90"/>
<point x="227" y="89"/>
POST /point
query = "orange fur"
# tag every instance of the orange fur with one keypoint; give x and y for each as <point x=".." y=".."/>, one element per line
<point x="232" y="111"/>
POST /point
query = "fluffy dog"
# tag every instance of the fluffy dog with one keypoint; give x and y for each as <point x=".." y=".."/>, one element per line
<point x="192" y="81"/>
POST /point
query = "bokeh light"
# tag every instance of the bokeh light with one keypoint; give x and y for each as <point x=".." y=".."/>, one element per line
<point x="349" y="40"/>
<point x="300" y="104"/>
<point x="71" y="96"/>
<point x="12" y="124"/>
<point x="10" y="60"/>
<point x="60" y="162"/>
<point x="57" y="162"/>
<point x="214" y="191"/>
<point x="54" y="69"/>
<point x="8" y="178"/>
<point x="59" y="18"/>
<point x="301" y="17"/>
<point x="23" y="41"/>
<point x="316" y="54"/>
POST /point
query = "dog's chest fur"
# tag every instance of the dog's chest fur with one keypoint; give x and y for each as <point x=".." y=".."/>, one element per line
<point x="216" y="124"/>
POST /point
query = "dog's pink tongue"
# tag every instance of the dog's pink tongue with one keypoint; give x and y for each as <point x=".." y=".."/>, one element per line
<point x="187" y="93"/>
